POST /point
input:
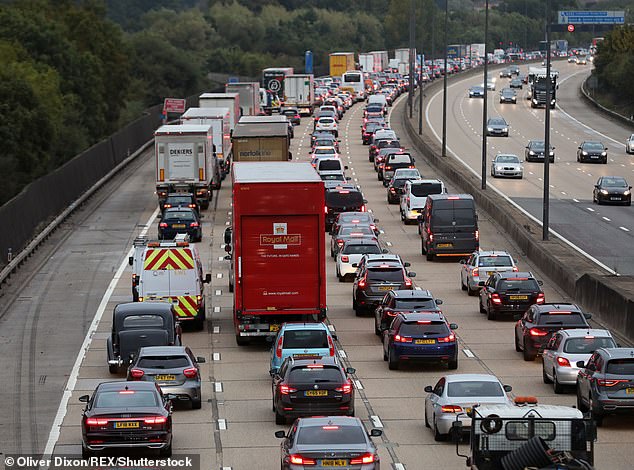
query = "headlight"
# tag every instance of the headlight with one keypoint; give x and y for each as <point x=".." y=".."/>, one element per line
<point x="626" y="192"/>
<point x="552" y="153"/>
<point x="604" y="191"/>
<point x="535" y="101"/>
<point x="531" y="153"/>
<point x="584" y="153"/>
<point x="506" y="129"/>
<point x="603" y="154"/>
<point x="490" y="129"/>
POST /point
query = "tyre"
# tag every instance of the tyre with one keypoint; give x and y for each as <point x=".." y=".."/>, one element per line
<point x="453" y="364"/>
<point x="462" y="285"/>
<point x="545" y="378"/>
<point x="426" y="420"/>
<point x="166" y="451"/>
<point x="581" y="406"/>
<point x="491" y="314"/>
<point x="470" y="291"/>
<point x="605" y="161"/>
<point x="242" y="341"/>
<point x="392" y="363"/>
<point x="430" y="256"/>
<point x="355" y="307"/>
<point x="377" y="330"/>
<point x="438" y="437"/>
<point x="422" y="244"/>
<point x="86" y="453"/>
<point x="384" y="355"/>
<point x="113" y="368"/>
<point x="517" y="344"/>
<point x="528" y="356"/>
<point x="482" y="309"/>
<point x="196" y="403"/>
<point x="279" y="419"/>
<point x="557" y="387"/>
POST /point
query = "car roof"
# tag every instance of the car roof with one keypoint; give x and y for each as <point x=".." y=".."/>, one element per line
<point x="122" y="385"/>
<point x="325" y="360"/>
<point x="304" y="326"/>
<point x="143" y="307"/>
<point x="361" y="241"/>
<point x="471" y="377"/>
<point x="180" y="209"/>
<point x="417" y="316"/>
<point x="617" y="353"/>
<point x="376" y="258"/>
<point x="557" y="306"/>
<point x="582" y="332"/>
<point x="325" y="420"/>
<point x="491" y="253"/>
<point x="162" y="350"/>
<point x="400" y="293"/>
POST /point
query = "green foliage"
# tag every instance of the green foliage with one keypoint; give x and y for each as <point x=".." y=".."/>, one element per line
<point x="614" y="64"/>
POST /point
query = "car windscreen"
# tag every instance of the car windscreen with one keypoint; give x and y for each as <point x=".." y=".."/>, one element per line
<point x="495" y="261"/>
<point x="324" y="151"/>
<point x="353" y="249"/>
<point x="304" y="339"/>
<point x="423" y="329"/>
<point x="593" y="146"/>
<point x="557" y="318"/>
<point x="449" y="217"/>
<point x="518" y="285"/>
<point x="474" y="389"/>
<point x="537" y="145"/>
<point x="614" y="182"/>
<point x="163" y="362"/>
<point x="620" y="367"/>
<point x="385" y="274"/>
<point x="330" y="165"/>
<point x="314" y="374"/>
<point x="331" y="436"/>
<point x="400" y="158"/>
<point x="126" y="399"/>
<point x="178" y="215"/>
<point x="143" y="321"/>
<point x="588" y="344"/>
<point x="507" y="159"/>
<point x="497" y="122"/>
<point x="340" y="199"/>
<point x="425" y="189"/>
<point x="415" y="304"/>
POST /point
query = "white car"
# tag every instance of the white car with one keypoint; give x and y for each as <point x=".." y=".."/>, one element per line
<point x="507" y="165"/>
<point x="351" y="253"/>
<point x="328" y="124"/>
<point x="415" y="195"/>
<point x="453" y="396"/>
<point x="629" y="144"/>
<point x="480" y="265"/>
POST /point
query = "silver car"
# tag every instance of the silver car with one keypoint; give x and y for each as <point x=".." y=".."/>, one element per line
<point x="507" y="165"/>
<point x="497" y="126"/>
<point x="629" y="144"/>
<point x="453" y="396"/>
<point x="565" y="349"/>
<point x="480" y="265"/>
<point x="173" y="368"/>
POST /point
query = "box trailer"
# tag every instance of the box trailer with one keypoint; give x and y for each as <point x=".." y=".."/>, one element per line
<point x="249" y="96"/>
<point x="266" y="141"/>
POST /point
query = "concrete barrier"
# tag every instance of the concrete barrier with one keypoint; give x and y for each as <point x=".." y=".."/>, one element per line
<point x="609" y="298"/>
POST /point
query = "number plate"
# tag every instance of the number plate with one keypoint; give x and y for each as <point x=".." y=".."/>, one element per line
<point x="518" y="297"/>
<point x="615" y="199"/>
<point x="629" y="391"/>
<point x="386" y="288"/>
<point x="165" y="378"/>
<point x="425" y="341"/>
<point x="274" y="327"/>
<point x="316" y="393"/>
<point x="126" y="424"/>
<point x="444" y="245"/>
<point x="334" y="463"/>
<point x="178" y="226"/>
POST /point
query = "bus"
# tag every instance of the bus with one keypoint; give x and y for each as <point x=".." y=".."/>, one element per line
<point x="353" y="82"/>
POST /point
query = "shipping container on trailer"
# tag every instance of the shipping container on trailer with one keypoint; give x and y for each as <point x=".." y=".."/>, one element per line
<point x="249" y="96"/>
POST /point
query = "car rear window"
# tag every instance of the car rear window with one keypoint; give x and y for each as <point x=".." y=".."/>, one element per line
<point x="620" y="367"/>
<point x="351" y="249"/>
<point x="330" y="165"/>
<point x="495" y="261"/>
<point x="562" y="319"/>
<point x="178" y="215"/>
<point x="340" y="199"/>
<point x="423" y="329"/>
<point x="361" y="230"/>
<point x="415" y="304"/>
<point x="163" y="362"/>
<point x="334" y="436"/>
<point x="400" y="158"/>
<point x="333" y="177"/>
<point x="325" y="142"/>
<point x="326" y="120"/>
<point x="399" y="183"/>
<point x="143" y="321"/>
<point x="178" y="200"/>
<point x="131" y="399"/>
<point x="304" y="339"/>
<point x="518" y="284"/>
<point x="326" y="151"/>
<point x="474" y="389"/>
<point x="355" y="219"/>
<point x="588" y="344"/>
<point x="425" y="189"/>
<point x="323" y="374"/>
<point x="385" y="274"/>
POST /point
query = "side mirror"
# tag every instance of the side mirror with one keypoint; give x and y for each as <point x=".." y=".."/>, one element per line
<point x="84" y="398"/>
<point x="453" y="326"/>
<point x="280" y="434"/>
<point x="377" y="220"/>
<point x="365" y="201"/>
<point x="334" y="337"/>
<point x="581" y="364"/>
<point x="348" y="178"/>
<point x="200" y="360"/>
<point x="376" y="433"/>
<point x="130" y="260"/>
<point x="411" y="274"/>
<point x="345" y="167"/>
<point x="228" y="257"/>
<point x="384" y="250"/>
<point x="406" y="264"/>
<point x="159" y="216"/>
<point x="541" y="283"/>
<point x="438" y="301"/>
<point x="228" y="248"/>
<point x="207" y="279"/>
<point x="273" y="371"/>
<point x="587" y="316"/>
<point x="596" y="186"/>
<point x="429" y="389"/>
<point x="508" y="388"/>
<point x="351" y="370"/>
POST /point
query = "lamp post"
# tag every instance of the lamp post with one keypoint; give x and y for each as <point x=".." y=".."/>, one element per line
<point x="546" y="205"/>
<point x="444" y="87"/>
<point x="486" y="92"/>
<point x="412" y="23"/>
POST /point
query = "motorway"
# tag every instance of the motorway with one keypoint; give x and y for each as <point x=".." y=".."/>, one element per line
<point x="604" y="232"/>
<point x="82" y="272"/>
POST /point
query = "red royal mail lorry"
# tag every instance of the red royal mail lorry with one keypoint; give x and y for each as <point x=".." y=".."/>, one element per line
<point x="278" y="257"/>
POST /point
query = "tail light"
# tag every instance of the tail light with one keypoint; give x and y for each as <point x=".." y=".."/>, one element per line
<point x="362" y="208"/>
<point x="345" y="259"/>
<point x="166" y="206"/>
<point x="476" y="272"/>
<point x="136" y="373"/>
<point x="96" y="422"/>
<point x="447" y="339"/>
<point x="495" y="298"/>
<point x="163" y="225"/>
<point x="515" y="269"/>
<point x="325" y="209"/>
<point x="285" y="389"/>
<point x="477" y="235"/>
<point x="155" y="420"/>
<point x="390" y="312"/>
<point x="193" y="206"/>
<point x="194" y="224"/>
<point x="278" y="349"/>
<point x="361" y="283"/>
<point x="392" y="190"/>
<point x="402" y="339"/>
<point x="340" y="243"/>
<point x="299" y="460"/>
<point x="610" y="383"/>
<point x="563" y="362"/>
<point x="451" y="409"/>
<point x="345" y="388"/>
<point x="408" y="282"/>
<point x="331" y="347"/>
<point x="191" y="373"/>
<point x="537" y="332"/>
<point x="365" y="458"/>
<point x="411" y="166"/>
<point x="387" y="167"/>
<point x="540" y="298"/>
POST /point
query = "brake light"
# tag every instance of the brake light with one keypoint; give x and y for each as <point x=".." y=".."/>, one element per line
<point x="193" y="206"/>
<point x="278" y="349"/>
<point x="193" y="224"/>
<point x="537" y="332"/>
<point x="191" y="373"/>
<point x="163" y="225"/>
<point x="345" y="259"/>
<point x="155" y="420"/>
<point x="361" y="283"/>
<point x="515" y="269"/>
<point x="610" y="383"/>
<point x="331" y="346"/>
<point x="340" y="243"/>
<point x="495" y="298"/>
<point x="362" y="208"/>
<point x="447" y="339"/>
<point x="476" y="271"/>
<point x="299" y="460"/>
<point x="408" y="282"/>
<point x="126" y="392"/>
<point x="540" y="298"/>
<point x="388" y="167"/>
<point x="563" y="362"/>
<point x="476" y="234"/>
<point x="402" y="339"/>
<point x="345" y="388"/>
<point x="330" y="428"/>
<point x="366" y="458"/>
<point x="285" y="389"/>
<point x="96" y="422"/>
<point x="392" y="190"/>
<point x="453" y="198"/>
<point x="136" y="373"/>
<point x="166" y="206"/>
<point x="451" y="409"/>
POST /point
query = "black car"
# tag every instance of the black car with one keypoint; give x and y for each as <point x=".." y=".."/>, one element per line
<point x="535" y="151"/>
<point x="343" y="198"/>
<point x="181" y="200"/>
<point x="373" y="281"/>
<point x="509" y="292"/>
<point x="592" y="151"/>
<point x="403" y="301"/>
<point x="312" y="386"/>
<point x="331" y="441"/>
<point x="126" y="415"/>
<point x="612" y="190"/>
<point x="361" y="218"/>
<point x="395" y="189"/>
<point x="508" y="95"/>
<point x="180" y="220"/>
<point x="534" y="329"/>
<point x="368" y="129"/>
<point x="605" y="384"/>
<point x="292" y="114"/>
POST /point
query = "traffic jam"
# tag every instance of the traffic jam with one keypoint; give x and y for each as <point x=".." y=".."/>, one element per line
<point x="299" y="226"/>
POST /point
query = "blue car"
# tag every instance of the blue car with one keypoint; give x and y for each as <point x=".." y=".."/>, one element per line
<point x="420" y="337"/>
<point x="301" y="340"/>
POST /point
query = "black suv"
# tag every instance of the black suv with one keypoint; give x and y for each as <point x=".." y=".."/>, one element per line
<point x="606" y="383"/>
<point x="373" y="280"/>
<point x="342" y="198"/>
<point x="592" y="151"/>
<point x="181" y="200"/>
<point x="312" y="386"/>
<point x="534" y="329"/>
<point x="509" y="292"/>
<point x="402" y="301"/>
<point x="382" y="144"/>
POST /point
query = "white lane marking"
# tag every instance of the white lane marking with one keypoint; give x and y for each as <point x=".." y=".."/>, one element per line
<point x="216" y="330"/>
<point x="388" y="243"/>
<point x="376" y="421"/>
<point x="399" y="466"/>
<point x="222" y="424"/>
<point x="509" y="200"/>
<point x="468" y="353"/>
<point x="217" y="387"/>
<point x="358" y="385"/>
<point x="216" y="309"/>
<point x="218" y="292"/>
<point x="220" y="258"/>
<point x="563" y="192"/>
<point x="576" y="200"/>
<point x="606" y="219"/>
<point x="218" y="275"/>
<point x="342" y="354"/>
<point x="216" y="356"/>
<point x="331" y="327"/>
<point x="624" y="229"/>
<point x="53" y="435"/>
<point x="590" y="209"/>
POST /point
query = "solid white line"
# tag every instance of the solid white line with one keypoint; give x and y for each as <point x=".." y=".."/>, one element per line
<point x="468" y="353"/>
<point x="222" y="424"/>
<point x="342" y="354"/>
<point x="216" y="356"/>
<point x="624" y="229"/>
<point x="399" y="466"/>
<point x="358" y="385"/>
<point x="218" y="387"/>
<point x="376" y="421"/>
<point x="509" y="200"/>
<point x="53" y="435"/>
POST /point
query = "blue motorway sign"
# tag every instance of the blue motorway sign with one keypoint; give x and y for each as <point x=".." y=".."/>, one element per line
<point x="591" y="17"/>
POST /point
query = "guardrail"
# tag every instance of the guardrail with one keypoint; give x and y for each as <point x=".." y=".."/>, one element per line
<point x="607" y="112"/>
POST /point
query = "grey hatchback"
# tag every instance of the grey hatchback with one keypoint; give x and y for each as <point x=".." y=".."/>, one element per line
<point x="173" y="368"/>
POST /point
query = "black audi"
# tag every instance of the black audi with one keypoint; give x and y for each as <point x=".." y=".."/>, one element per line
<point x="612" y="190"/>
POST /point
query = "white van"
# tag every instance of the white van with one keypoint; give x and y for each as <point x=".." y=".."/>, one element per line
<point x="415" y="195"/>
<point x="378" y="99"/>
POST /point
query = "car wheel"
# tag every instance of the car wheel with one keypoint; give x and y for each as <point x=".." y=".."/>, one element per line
<point x="86" y="453"/>
<point x="545" y="378"/>
<point x="557" y="387"/>
<point x="430" y="256"/>
<point x="354" y="305"/>
<point x="437" y="436"/>
<point x="605" y="161"/>
<point x="279" y="419"/>
<point x="242" y="341"/>
<point x="392" y="363"/>
<point x="166" y="451"/>
<point x="596" y="415"/>
<point x="377" y="330"/>
<point x="581" y="406"/>
<point x="113" y="368"/>
<point x="462" y="285"/>
<point x="471" y="291"/>
<point x="426" y="419"/>
<point x="527" y="355"/>
<point x="453" y="364"/>
<point x="482" y="309"/>
<point x="384" y="355"/>
<point x="491" y="314"/>
<point x="196" y="403"/>
<point x="379" y="176"/>
<point x="422" y="244"/>
<point x="517" y="344"/>
<point x="332" y="253"/>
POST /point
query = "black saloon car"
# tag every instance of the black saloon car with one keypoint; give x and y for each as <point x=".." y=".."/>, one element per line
<point x="181" y="200"/>
<point x="180" y="220"/>
<point x="612" y="190"/>
<point x="509" y="292"/>
<point x="535" y="151"/>
<point x="592" y="151"/>
<point x="126" y="415"/>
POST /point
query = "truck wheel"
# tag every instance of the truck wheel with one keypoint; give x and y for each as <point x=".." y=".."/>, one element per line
<point x="242" y="341"/>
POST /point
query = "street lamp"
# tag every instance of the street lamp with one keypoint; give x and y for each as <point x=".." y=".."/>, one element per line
<point x="444" y="87"/>
<point x="412" y="23"/>
<point x="545" y="214"/>
<point x="486" y="92"/>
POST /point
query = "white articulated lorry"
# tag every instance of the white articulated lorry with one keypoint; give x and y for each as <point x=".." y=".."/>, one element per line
<point x="299" y="91"/>
<point x="249" y="96"/>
